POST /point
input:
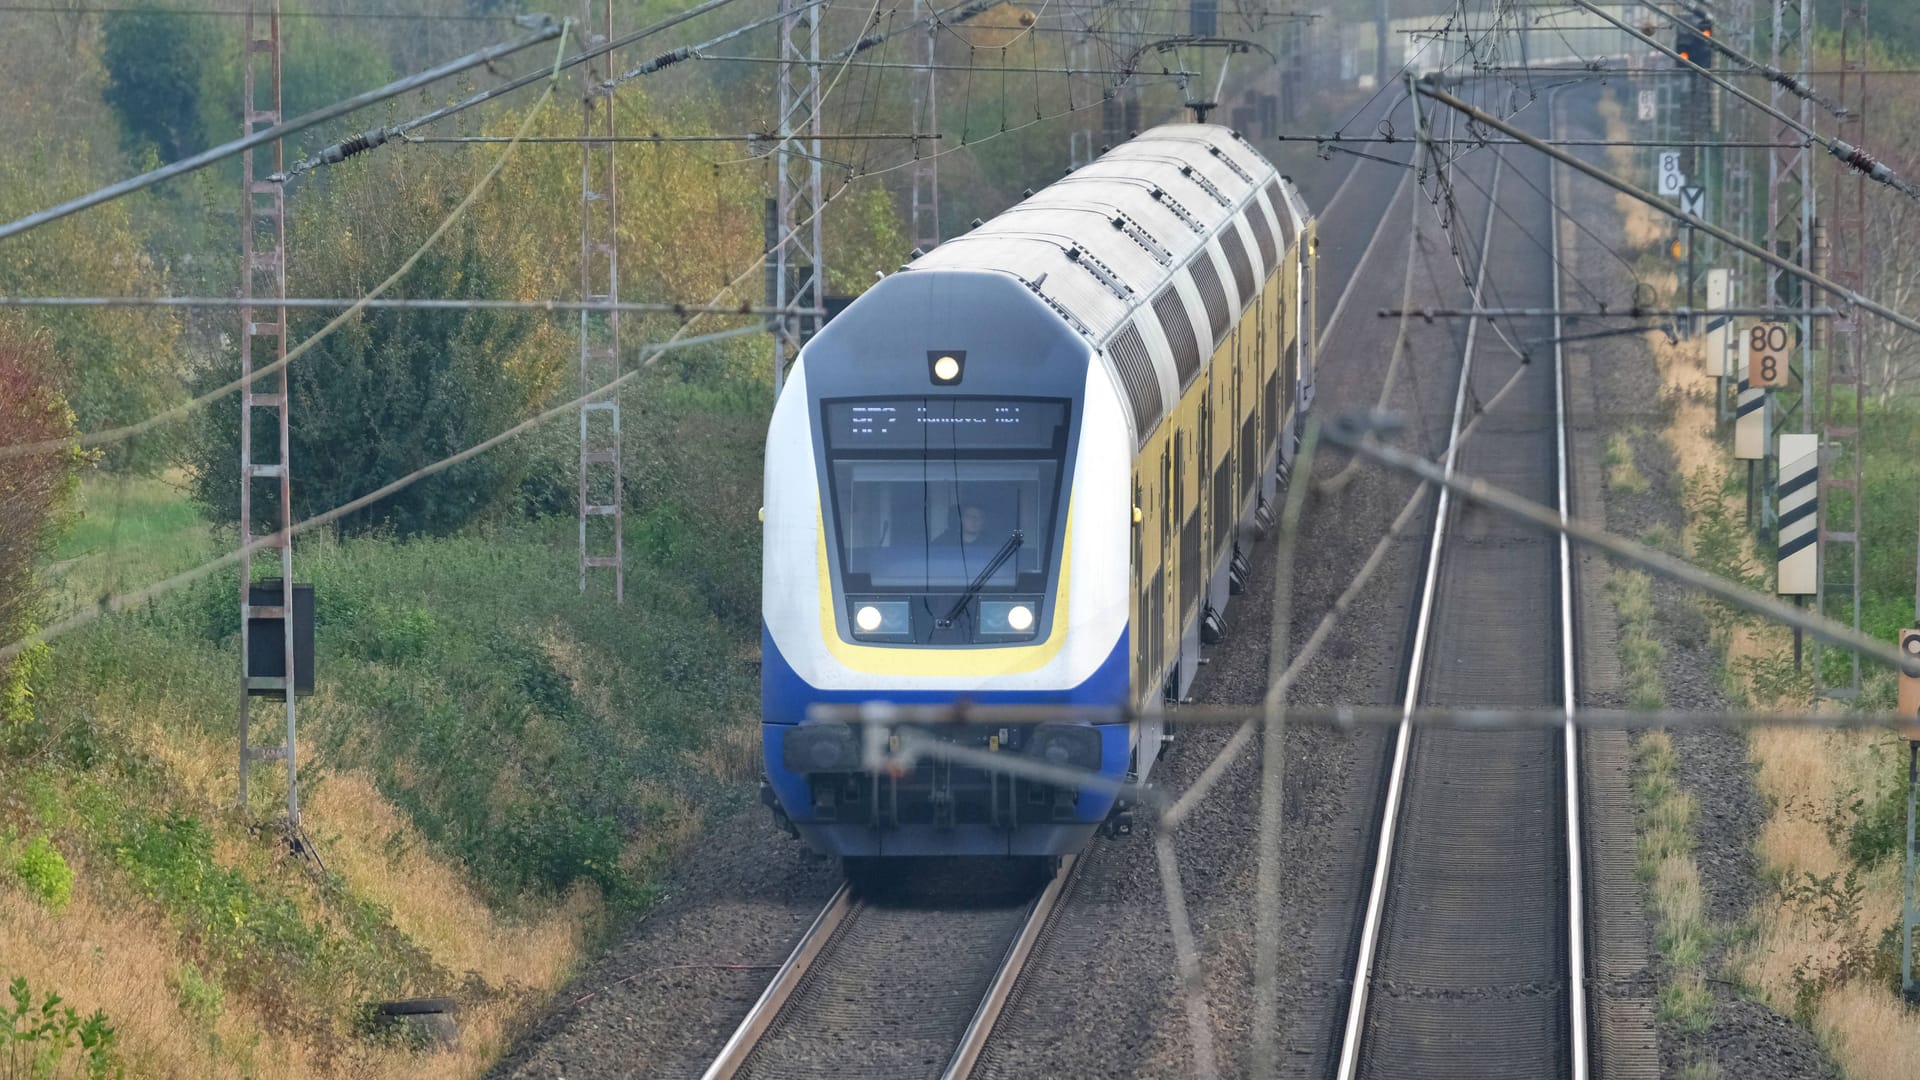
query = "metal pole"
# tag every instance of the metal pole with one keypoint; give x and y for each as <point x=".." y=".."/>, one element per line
<point x="925" y="209"/>
<point x="1382" y="31"/>
<point x="1850" y="296"/>
<point x="263" y="251"/>
<point x="797" y="267"/>
<point x="1909" y="916"/>
<point x="602" y="487"/>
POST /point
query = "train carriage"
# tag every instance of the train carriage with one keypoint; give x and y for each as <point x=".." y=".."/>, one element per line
<point x="1020" y="472"/>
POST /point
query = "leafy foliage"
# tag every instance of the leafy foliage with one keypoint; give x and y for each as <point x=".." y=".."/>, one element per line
<point x="32" y="490"/>
<point x="394" y="390"/>
<point x="113" y="366"/>
<point x="48" y="1042"/>
<point x="45" y="873"/>
<point x="155" y="61"/>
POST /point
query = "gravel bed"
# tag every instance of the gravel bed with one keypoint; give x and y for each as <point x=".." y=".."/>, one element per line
<point x="1745" y="1039"/>
<point x="664" y="1000"/>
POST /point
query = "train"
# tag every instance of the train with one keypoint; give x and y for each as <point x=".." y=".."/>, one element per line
<point x="1026" y="470"/>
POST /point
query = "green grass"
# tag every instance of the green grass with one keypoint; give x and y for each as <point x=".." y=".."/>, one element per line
<point x="1641" y="652"/>
<point x="1623" y="475"/>
<point x="544" y="740"/>
<point x="127" y="532"/>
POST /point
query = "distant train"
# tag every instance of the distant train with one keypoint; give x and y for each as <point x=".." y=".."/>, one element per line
<point x="1022" y="471"/>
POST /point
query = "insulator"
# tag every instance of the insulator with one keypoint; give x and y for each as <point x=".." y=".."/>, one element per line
<point x="341" y="151"/>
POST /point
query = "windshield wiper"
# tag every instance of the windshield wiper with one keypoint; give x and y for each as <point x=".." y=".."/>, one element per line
<point x="1014" y="540"/>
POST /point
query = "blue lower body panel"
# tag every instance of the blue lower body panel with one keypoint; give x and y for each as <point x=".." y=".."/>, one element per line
<point x="816" y="782"/>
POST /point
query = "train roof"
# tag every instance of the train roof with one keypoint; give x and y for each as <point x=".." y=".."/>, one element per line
<point x="1181" y="217"/>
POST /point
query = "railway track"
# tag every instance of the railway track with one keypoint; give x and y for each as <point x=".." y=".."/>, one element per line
<point x="1470" y="953"/>
<point x="894" y="981"/>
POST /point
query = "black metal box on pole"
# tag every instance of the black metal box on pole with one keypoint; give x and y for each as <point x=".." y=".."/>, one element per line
<point x="266" y="657"/>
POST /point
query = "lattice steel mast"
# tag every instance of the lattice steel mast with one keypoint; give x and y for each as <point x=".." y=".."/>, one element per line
<point x="926" y="117"/>
<point x="797" y="268"/>
<point x="601" y="484"/>
<point x="1790" y="208"/>
<point x="1842" y="454"/>
<point x="263" y="274"/>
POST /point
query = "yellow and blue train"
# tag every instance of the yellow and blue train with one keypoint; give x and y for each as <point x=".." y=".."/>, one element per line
<point x="1023" y="471"/>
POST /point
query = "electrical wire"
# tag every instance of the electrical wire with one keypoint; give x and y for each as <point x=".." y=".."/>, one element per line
<point x="111" y="436"/>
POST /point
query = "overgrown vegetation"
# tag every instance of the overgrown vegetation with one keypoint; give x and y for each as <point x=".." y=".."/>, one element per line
<point x="1666" y="866"/>
<point x="52" y="1041"/>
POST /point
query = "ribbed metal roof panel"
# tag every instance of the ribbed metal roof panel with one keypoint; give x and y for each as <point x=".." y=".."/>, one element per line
<point x="1166" y="189"/>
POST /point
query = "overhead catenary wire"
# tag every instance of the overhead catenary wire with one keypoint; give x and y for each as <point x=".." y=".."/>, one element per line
<point x="128" y="431"/>
<point x="1785" y="81"/>
<point x="1854" y="157"/>
<point x="547" y="32"/>
<point x="403" y="303"/>
<point x="374" y="137"/>
<point x="126" y="600"/>
<point x="1826" y="284"/>
<point x="129" y="600"/>
<point x="240" y="13"/>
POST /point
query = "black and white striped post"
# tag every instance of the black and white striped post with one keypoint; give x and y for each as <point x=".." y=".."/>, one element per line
<point x="1910" y="707"/>
<point x="1798" y="574"/>
<point x="1750" y="433"/>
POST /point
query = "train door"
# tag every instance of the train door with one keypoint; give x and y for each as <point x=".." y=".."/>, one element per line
<point x="1208" y="512"/>
<point x="1142" y="602"/>
<point x="1162" y="593"/>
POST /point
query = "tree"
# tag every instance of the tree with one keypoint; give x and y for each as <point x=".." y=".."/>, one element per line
<point x="113" y="366"/>
<point x="395" y="389"/>
<point x="155" y="59"/>
<point x="33" y="490"/>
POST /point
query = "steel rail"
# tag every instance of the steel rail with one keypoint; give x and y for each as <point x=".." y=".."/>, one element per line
<point x="775" y="996"/>
<point x="1403" y="735"/>
<point x="974" y="1042"/>
<point x="1570" y="751"/>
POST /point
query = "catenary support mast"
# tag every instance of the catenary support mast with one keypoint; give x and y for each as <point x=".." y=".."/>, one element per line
<point x="263" y="275"/>
<point x="796" y="268"/>
<point x="602" y="500"/>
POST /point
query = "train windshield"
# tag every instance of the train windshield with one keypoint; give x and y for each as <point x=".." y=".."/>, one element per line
<point x="934" y="495"/>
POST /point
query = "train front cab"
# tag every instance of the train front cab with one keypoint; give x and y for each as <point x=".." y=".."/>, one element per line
<point x="955" y="531"/>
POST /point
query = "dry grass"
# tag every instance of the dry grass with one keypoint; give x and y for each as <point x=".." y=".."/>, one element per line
<point x="367" y="841"/>
<point x="732" y="754"/>
<point x="1808" y="777"/>
<point x="1873" y="1035"/>
<point x="126" y="963"/>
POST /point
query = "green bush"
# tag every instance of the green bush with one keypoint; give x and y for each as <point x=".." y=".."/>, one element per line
<point x="200" y="997"/>
<point x="45" y="873"/>
<point x="46" y="1040"/>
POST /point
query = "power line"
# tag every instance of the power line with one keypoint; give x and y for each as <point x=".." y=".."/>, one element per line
<point x="121" y="434"/>
<point x="548" y="31"/>
<point x="1715" y="231"/>
<point x="749" y="137"/>
<point x="49" y="9"/>
<point x="400" y="303"/>
<point x="1852" y="156"/>
<point x="367" y="140"/>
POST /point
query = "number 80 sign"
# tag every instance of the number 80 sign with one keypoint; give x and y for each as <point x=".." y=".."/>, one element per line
<point x="1769" y="348"/>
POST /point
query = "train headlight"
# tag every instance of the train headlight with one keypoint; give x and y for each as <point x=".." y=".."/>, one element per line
<point x="882" y="618"/>
<point x="1007" y="618"/>
<point x="945" y="368"/>
<point x="818" y="748"/>
<point x="1066" y="746"/>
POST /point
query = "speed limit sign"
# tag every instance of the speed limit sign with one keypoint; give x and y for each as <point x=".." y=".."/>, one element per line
<point x="1769" y="346"/>
<point x="1910" y="684"/>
